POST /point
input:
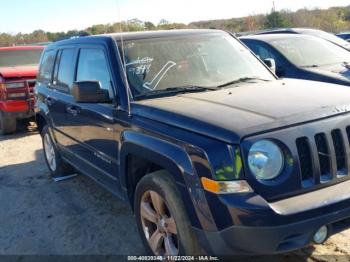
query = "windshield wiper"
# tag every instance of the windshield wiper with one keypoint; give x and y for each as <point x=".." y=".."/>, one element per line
<point x="176" y="90"/>
<point x="242" y="79"/>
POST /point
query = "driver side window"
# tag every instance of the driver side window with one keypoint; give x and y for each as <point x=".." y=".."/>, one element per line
<point x="264" y="52"/>
<point x="93" y="66"/>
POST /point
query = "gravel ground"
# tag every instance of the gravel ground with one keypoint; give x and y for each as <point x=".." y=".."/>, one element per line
<point x="77" y="217"/>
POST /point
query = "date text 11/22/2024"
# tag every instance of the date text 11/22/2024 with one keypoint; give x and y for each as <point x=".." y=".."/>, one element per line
<point x="173" y="258"/>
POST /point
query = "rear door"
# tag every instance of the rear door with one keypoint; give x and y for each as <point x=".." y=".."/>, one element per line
<point x="60" y="95"/>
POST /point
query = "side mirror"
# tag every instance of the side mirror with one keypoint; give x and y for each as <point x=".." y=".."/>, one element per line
<point x="271" y="64"/>
<point x="89" y="92"/>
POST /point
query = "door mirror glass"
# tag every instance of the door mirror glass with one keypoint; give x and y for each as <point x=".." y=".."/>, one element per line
<point x="89" y="92"/>
<point x="271" y="63"/>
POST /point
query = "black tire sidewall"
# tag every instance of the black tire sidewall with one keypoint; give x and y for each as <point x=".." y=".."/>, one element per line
<point x="165" y="186"/>
<point x="58" y="172"/>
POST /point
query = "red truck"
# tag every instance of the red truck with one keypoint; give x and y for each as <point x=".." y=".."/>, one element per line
<point x="18" y="70"/>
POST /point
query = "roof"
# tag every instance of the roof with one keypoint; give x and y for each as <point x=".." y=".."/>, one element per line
<point x="140" y="35"/>
<point x="291" y="30"/>
<point x="272" y="37"/>
<point x="163" y="33"/>
<point x="15" y="48"/>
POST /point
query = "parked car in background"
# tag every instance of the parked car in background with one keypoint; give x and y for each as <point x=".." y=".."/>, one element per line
<point x="212" y="151"/>
<point x="302" y="57"/>
<point x="307" y="31"/>
<point x="345" y="36"/>
<point x="18" y="69"/>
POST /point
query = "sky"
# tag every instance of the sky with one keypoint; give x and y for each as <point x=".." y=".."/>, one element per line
<point x="62" y="15"/>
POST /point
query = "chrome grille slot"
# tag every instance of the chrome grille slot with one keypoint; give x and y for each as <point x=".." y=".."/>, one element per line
<point x="323" y="156"/>
<point x="305" y="159"/>
<point x="339" y="152"/>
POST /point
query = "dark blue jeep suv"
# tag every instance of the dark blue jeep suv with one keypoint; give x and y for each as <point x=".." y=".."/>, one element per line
<point x="213" y="152"/>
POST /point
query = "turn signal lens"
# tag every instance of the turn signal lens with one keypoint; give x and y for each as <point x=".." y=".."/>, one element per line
<point x="225" y="187"/>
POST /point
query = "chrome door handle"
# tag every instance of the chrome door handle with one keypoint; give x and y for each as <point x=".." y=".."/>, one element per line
<point x="73" y="110"/>
<point x="49" y="101"/>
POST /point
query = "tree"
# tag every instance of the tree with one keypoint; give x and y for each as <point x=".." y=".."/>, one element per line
<point x="149" y="26"/>
<point x="163" y="22"/>
<point x="276" y="20"/>
<point x="250" y="24"/>
<point x="347" y="14"/>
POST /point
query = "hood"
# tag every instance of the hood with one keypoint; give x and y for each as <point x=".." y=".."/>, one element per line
<point x="340" y="72"/>
<point x="19" y="71"/>
<point x="251" y="108"/>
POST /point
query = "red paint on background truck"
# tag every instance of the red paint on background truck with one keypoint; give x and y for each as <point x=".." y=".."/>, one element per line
<point x="18" y="70"/>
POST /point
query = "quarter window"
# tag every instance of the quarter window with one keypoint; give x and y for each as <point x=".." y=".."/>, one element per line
<point x="47" y="62"/>
<point x="93" y="66"/>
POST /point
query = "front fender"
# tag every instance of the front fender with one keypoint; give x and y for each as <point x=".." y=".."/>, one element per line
<point x="173" y="158"/>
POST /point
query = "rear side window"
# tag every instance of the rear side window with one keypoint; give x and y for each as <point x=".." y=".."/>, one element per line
<point x="65" y="74"/>
<point x="93" y="66"/>
<point x="45" y="71"/>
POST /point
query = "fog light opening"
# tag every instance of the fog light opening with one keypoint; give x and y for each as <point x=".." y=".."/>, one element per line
<point x="321" y="235"/>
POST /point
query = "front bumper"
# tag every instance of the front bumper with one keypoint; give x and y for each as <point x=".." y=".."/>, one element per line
<point x="262" y="228"/>
<point x="16" y="109"/>
<point x="238" y="240"/>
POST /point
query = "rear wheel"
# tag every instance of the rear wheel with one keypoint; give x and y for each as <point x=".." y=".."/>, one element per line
<point x="161" y="217"/>
<point x="7" y="125"/>
<point x="55" y="163"/>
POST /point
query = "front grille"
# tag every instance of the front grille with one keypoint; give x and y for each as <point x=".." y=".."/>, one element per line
<point x="323" y="157"/>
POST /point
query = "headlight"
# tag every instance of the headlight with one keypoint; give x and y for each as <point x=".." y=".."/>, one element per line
<point x="265" y="160"/>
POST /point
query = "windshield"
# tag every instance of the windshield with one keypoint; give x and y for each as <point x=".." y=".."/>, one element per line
<point x="310" y="51"/>
<point x="207" y="60"/>
<point x="20" y="57"/>
<point x="330" y="37"/>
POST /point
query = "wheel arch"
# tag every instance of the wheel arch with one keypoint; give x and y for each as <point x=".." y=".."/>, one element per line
<point x="152" y="154"/>
<point x="41" y="121"/>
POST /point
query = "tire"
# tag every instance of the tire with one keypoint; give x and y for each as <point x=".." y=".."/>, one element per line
<point x="185" y="242"/>
<point x="8" y="125"/>
<point x="54" y="162"/>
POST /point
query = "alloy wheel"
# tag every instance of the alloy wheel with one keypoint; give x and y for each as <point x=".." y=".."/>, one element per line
<point x="158" y="225"/>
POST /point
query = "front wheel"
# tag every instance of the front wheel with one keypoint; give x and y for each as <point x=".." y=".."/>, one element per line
<point x="161" y="217"/>
<point x="53" y="158"/>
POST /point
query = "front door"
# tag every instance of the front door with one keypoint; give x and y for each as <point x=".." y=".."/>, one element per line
<point x="94" y="124"/>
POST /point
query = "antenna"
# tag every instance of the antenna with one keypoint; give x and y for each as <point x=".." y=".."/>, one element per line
<point x="273" y="6"/>
<point x="128" y="91"/>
